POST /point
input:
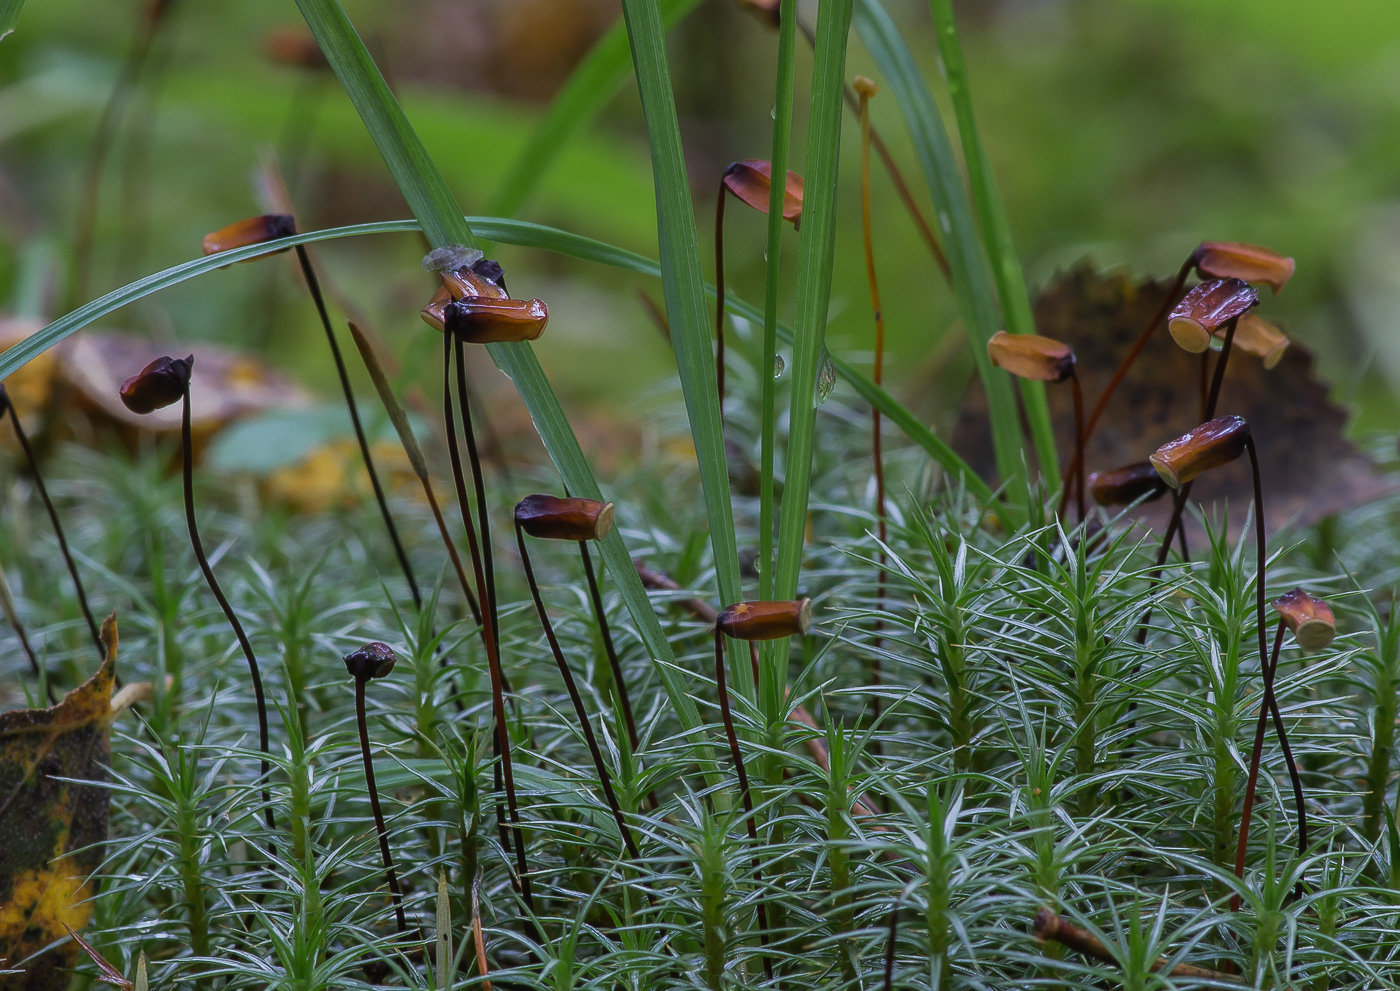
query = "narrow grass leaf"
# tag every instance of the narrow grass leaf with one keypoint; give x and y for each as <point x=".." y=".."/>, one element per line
<point x="996" y="233"/>
<point x="972" y="282"/>
<point x="442" y="222"/>
<point x="594" y="82"/>
<point x="516" y="232"/>
<point x="684" y="289"/>
<point x="9" y="16"/>
<point x="814" y="255"/>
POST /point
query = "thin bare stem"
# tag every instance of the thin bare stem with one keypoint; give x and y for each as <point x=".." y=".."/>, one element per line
<point x="314" y="287"/>
<point x="719" y="293"/>
<point x="1255" y="757"/>
<point x="744" y="794"/>
<point x="485" y="584"/>
<point x="614" y="664"/>
<point x="896" y="177"/>
<point x="379" y="827"/>
<point x="187" y="459"/>
<point x="572" y="687"/>
<point x="72" y="565"/>
<point x="891" y="939"/>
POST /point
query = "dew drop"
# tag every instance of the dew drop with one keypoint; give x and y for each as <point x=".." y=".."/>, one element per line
<point x="826" y="381"/>
<point x="778" y="366"/>
<point x="773" y="111"/>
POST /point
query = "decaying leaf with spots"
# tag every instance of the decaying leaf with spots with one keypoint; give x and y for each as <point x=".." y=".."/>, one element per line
<point x="1309" y="469"/>
<point x="53" y="823"/>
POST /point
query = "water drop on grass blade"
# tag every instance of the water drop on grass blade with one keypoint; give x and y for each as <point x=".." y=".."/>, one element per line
<point x="826" y="381"/>
<point x="778" y="366"/>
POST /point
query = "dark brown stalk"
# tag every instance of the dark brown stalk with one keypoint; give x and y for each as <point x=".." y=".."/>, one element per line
<point x="1131" y="356"/>
<point x="719" y="293"/>
<point x="379" y="827"/>
<point x="1255" y="756"/>
<point x="314" y="287"/>
<point x="23" y="438"/>
<point x="486" y="595"/>
<point x="896" y="177"/>
<point x="569" y="684"/>
<point x="1268" y="666"/>
<point x="890" y="943"/>
<point x="878" y="372"/>
<point x="613" y="663"/>
<point x="187" y="459"/>
<point x="744" y="794"/>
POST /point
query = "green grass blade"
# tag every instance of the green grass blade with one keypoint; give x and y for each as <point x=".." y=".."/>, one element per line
<point x="782" y="143"/>
<point x="442" y="221"/>
<point x="972" y="282"/>
<point x="9" y="16"/>
<point x="684" y="289"/>
<point x="516" y="232"/>
<point x="814" y="256"/>
<point x="996" y="233"/>
<point x="589" y="88"/>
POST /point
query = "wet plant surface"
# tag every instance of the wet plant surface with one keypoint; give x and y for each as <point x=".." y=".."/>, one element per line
<point x="816" y="699"/>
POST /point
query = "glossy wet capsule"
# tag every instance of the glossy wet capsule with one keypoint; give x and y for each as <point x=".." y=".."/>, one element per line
<point x="160" y="384"/>
<point x="1207" y="308"/>
<point x="550" y="517"/>
<point x="765" y="620"/>
<point x="1213" y="444"/>
<point x="373" y="660"/>
<point x="482" y="320"/>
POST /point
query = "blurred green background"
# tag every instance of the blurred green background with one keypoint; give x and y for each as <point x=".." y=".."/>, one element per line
<point x="1123" y="131"/>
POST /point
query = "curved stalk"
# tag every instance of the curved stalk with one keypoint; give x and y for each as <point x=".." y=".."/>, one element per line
<point x="187" y="459"/>
<point x="1077" y="391"/>
<point x="613" y="662"/>
<point x="11" y="614"/>
<point x="380" y="829"/>
<point x="314" y="287"/>
<point x="485" y="584"/>
<point x="571" y="686"/>
<point x="23" y="438"/>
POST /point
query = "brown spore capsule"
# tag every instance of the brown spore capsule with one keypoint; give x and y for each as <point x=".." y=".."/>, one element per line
<point x="1247" y="262"/>
<point x="1125" y="486"/>
<point x="373" y="660"/>
<point x="766" y="620"/>
<point x="253" y="230"/>
<point x="751" y="179"/>
<point x="483" y="320"/>
<point x="1207" y="308"/>
<point x="550" y="517"/>
<point x="1030" y="356"/>
<point x="160" y="384"/>
<point x="1310" y="619"/>
<point x="1213" y="444"/>
<point x="435" y="313"/>
<point x="1257" y="336"/>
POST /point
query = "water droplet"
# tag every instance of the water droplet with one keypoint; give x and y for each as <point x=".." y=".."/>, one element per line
<point x="778" y="366"/>
<point x="773" y="111"/>
<point x="826" y="381"/>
